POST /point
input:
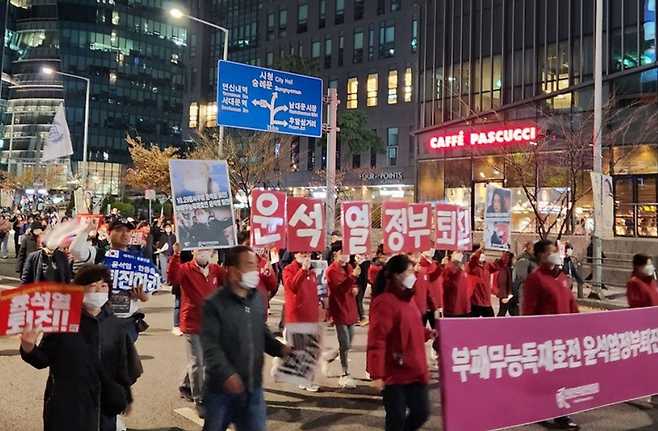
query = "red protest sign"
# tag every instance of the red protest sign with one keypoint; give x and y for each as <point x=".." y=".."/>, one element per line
<point x="306" y="230"/>
<point x="268" y="215"/>
<point x="137" y="236"/>
<point x="96" y="219"/>
<point x="453" y="227"/>
<point x="406" y="228"/>
<point x="53" y="306"/>
<point x="356" y="226"/>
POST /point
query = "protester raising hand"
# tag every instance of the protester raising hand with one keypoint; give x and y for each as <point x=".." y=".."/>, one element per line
<point x="29" y="337"/>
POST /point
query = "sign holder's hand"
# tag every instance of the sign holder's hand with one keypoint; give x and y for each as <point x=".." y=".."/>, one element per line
<point x="377" y="384"/>
<point x="29" y="337"/>
<point x="138" y="293"/>
<point x="177" y="249"/>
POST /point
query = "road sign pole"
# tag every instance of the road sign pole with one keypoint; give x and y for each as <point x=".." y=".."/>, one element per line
<point x="597" y="252"/>
<point x="332" y="130"/>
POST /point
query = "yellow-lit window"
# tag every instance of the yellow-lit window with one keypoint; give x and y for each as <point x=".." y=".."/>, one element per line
<point x="211" y="115"/>
<point x="371" y="99"/>
<point x="392" y="87"/>
<point x="352" y="90"/>
<point x="194" y="115"/>
<point x="407" y="84"/>
<point x="113" y="77"/>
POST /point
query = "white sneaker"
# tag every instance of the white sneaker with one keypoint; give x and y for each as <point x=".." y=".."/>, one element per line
<point x="120" y="425"/>
<point x="311" y="388"/>
<point x="324" y="367"/>
<point x="367" y="375"/>
<point x="176" y="331"/>
<point x="347" y="382"/>
<point x="433" y="355"/>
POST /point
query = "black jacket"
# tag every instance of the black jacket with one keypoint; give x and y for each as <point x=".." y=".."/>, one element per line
<point x="569" y="267"/>
<point x="28" y="246"/>
<point x="234" y="337"/>
<point x="88" y="380"/>
<point x="33" y="269"/>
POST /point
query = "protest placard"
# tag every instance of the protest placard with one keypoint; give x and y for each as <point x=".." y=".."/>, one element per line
<point x="356" y="227"/>
<point x="268" y="216"/>
<point x="203" y="204"/>
<point x="306" y="231"/>
<point x="129" y="271"/>
<point x="301" y="367"/>
<point x="497" y="218"/>
<point x="137" y="236"/>
<point x="551" y="366"/>
<point x="52" y="306"/>
<point x="453" y="227"/>
<point x="406" y="227"/>
<point x="95" y="219"/>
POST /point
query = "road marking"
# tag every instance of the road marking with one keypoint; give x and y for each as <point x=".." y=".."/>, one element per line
<point x="276" y="301"/>
<point x="5" y="277"/>
<point x="190" y="415"/>
<point x="7" y="287"/>
<point x="357" y="412"/>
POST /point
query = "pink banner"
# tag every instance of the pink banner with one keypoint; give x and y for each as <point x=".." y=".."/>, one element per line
<point x="546" y="366"/>
<point x="406" y="228"/>
<point x="453" y="227"/>
<point x="306" y="230"/>
<point x="356" y="226"/>
<point x="268" y="215"/>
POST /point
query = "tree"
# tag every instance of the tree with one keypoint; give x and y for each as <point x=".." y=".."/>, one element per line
<point x="297" y="64"/>
<point x="255" y="159"/>
<point x="355" y="133"/>
<point x="151" y="166"/>
<point x="51" y="176"/>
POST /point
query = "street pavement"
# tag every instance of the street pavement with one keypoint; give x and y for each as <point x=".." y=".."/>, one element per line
<point x="158" y="408"/>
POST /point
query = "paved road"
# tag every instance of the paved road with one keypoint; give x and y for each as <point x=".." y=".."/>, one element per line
<point x="158" y="408"/>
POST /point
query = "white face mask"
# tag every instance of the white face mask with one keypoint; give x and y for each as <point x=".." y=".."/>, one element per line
<point x="649" y="270"/>
<point x="429" y="253"/>
<point x="457" y="257"/>
<point x="203" y="257"/>
<point x="483" y="258"/>
<point x="409" y="281"/>
<point x="554" y="259"/>
<point x="569" y="252"/>
<point x="250" y="279"/>
<point x="94" y="300"/>
<point x="345" y="258"/>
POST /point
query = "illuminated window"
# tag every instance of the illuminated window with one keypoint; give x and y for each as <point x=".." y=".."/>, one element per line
<point x="371" y="99"/>
<point x="211" y="115"/>
<point x="392" y="87"/>
<point x="194" y="115"/>
<point x="352" y="89"/>
<point x="407" y="84"/>
<point x="113" y="77"/>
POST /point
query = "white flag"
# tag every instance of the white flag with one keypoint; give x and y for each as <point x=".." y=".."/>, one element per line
<point x="58" y="143"/>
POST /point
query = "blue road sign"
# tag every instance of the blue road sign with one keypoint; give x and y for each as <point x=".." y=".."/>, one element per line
<point x="256" y="98"/>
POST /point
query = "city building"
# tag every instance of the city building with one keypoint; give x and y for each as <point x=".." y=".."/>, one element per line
<point x="131" y="52"/>
<point x="365" y="49"/>
<point x="499" y="78"/>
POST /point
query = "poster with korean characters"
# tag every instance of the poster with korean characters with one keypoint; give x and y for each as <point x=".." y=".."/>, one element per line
<point x="129" y="271"/>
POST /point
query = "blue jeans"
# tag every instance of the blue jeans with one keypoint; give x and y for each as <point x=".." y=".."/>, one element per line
<point x="5" y="244"/>
<point x="177" y="311"/>
<point x="246" y="411"/>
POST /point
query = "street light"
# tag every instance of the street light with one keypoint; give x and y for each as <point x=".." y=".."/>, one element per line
<point x="177" y="13"/>
<point x="85" y="141"/>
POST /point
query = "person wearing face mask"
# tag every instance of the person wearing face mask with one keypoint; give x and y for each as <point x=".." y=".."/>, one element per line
<point x="341" y="279"/>
<point x="569" y="266"/>
<point x="432" y="270"/>
<point x="197" y="279"/>
<point x="300" y="286"/>
<point x="30" y="244"/>
<point x="268" y="281"/>
<point x="525" y="264"/>
<point x="504" y="282"/>
<point x="235" y="337"/>
<point x="50" y="263"/>
<point x="547" y="291"/>
<point x="396" y="359"/>
<point x="165" y="249"/>
<point x="91" y="365"/>
<point x="642" y="290"/>
<point x="456" y="300"/>
<point x="479" y="271"/>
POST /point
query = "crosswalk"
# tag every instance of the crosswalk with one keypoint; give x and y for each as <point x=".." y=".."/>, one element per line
<point x="9" y="282"/>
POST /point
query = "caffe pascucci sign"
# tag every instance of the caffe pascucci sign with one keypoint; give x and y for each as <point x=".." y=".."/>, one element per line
<point x="484" y="137"/>
<point x="369" y="176"/>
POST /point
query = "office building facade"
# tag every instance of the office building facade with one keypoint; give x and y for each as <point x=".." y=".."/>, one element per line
<point x="365" y="49"/>
<point x="494" y="69"/>
<point x="133" y="55"/>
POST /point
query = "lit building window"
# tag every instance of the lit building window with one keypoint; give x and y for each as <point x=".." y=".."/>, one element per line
<point x="407" y="84"/>
<point x="113" y="77"/>
<point x="194" y="115"/>
<point x="371" y="84"/>
<point x="211" y="115"/>
<point x="352" y="89"/>
<point x="392" y="87"/>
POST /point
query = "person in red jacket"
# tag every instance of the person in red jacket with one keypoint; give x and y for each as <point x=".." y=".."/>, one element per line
<point x="396" y="357"/>
<point x="377" y="264"/>
<point x="456" y="301"/>
<point x="480" y="271"/>
<point x="433" y="272"/>
<point x="422" y="294"/>
<point x="641" y="289"/>
<point x="269" y="281"/>
<point x="341" y="280"/>
<point x="197" y="279"/>
<point x="504" y="282"/>
<point x="547" y="291"/>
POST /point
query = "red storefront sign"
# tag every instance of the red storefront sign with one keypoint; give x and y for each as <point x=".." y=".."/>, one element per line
<point x="268" y="215"/>
<point x="485" y="137"/>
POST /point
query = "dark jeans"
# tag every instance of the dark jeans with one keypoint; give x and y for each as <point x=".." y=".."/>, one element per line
<point x="282" y="322"/>
<point x="177" y="310"/>
<point x="246" y="411"/>
<point x="345" y="334"/>
<point x="477" y="311"/>
<point x="359" y="301"/>
<point x="458" y="316"/>
<point x="399" y="398"/>
<point x="429" y="318"/>
<point x="512" y="307"/>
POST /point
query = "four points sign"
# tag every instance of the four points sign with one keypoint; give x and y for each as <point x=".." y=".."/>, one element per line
<point x="256" y="98"/>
